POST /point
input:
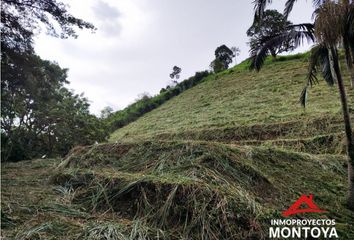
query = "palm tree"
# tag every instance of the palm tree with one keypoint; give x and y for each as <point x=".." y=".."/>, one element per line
<point x="260" y="6"/>
<point x="330" y="17"/>
<point x="347" y="34"/>
<point x="348" y="37"/>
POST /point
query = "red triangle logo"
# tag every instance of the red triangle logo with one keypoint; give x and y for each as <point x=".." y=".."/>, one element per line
<point x="295" y="208"/>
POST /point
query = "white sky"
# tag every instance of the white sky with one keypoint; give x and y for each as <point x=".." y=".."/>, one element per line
<point x="139" y="41"/>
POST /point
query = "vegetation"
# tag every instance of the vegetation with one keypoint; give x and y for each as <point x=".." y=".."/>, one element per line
<point x="223" y="58"/>
<point x="39" y="116"/>
<point x="175" y="73"/>
<point x="334" y="24"/>
<point x="168" y="190"/>
<point x="239" y="100"/>
<point x="214" y="157"/>
<point x="271" y="24"/>
<point x="146" y="104"/>
<point x="236" y="51"/>
<point x="193" y="164"/>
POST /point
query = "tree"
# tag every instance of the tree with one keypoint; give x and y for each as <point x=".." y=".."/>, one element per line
<point x="175" y="74"/>
<point x="329" y="31"/>
<point x="347" y="37"/>
<point x="223" y="58"/>
<point x="19" y="20"/>
<point x="224" y="55"/>
<point x="106" y="112"/>
<point x="217" y="66"/>
<point x="39" y="116"/>
<point x="236" y="52"/>
<point x="260" y="6"/>
<point x="271" y="24"/>
<point x="329" y="22"/>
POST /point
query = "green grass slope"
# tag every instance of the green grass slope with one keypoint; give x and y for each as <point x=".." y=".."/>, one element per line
<point x="239" y="105"/>
<point x="216" y="162"/>
<point x="168" y="190"/>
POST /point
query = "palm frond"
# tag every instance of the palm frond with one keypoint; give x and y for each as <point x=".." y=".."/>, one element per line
<point x="303" y="96"/>
<point x="319" y="58"/>
<point x="318" y="3"/>
<point x="349" y="27"/>
<point x="326" y="70"/>
<point x="289" y="7"/>
<point x="259" y="8"/>
<point x="295" y="33"/>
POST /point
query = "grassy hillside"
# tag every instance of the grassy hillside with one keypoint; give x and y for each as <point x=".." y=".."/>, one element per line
<point x="238" y="101"/>
<point x="216" y="162"/>
<point x="171" y="190"/>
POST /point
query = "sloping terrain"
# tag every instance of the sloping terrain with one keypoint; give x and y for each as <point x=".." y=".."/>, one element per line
<point x="168" y="190"/>
<point x="216" y="162"/>
<point x="240" y="106"/>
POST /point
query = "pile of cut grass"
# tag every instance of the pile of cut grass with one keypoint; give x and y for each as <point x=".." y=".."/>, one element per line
<point x="216" y="162"/>
<point x="199" y="190"/>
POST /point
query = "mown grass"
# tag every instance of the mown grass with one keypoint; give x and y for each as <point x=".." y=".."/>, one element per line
<point x="200" y="190"/>
<point x="240" y="98"/>
<point x="168" y="190"/>
<point x="216" y="162"/>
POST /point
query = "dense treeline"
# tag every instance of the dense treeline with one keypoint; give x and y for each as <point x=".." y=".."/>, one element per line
<point x="146" y="104"/>
<point x="40" y="117"/>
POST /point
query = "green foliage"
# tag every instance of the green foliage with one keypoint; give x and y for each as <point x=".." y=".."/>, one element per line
<point x="296" y="34"/>
<point x="20" y="19"/>
<point x="146" y="103"/>
<point x="217" y="66"/>
<point x="272" y="23"/>
<point x="106" y="112"/>
<point x="39" y="116"/>
<point x="175" y="72"/>
<point x="197" y="166"/>
<point x="223" y="58"/>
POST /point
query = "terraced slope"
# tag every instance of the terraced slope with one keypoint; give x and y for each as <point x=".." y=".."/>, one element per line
<point x="239" y="106"/>
<point x="216" y="162"/>
<point x="169" y="190"/>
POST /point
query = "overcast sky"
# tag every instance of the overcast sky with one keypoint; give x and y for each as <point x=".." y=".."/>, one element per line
<point x="139" y="41"/>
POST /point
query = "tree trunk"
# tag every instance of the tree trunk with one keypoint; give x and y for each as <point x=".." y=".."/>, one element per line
<point x="348" y="128"/>
<point x="331" y="65"/>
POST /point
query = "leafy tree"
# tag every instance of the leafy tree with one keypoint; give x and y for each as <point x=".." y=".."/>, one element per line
<point x="333" y="21"/>
<point x="175" y="74"/>
<point x="236" y="52"/>
<point x="347" y="26"/>
<point x="224" y="55"/>
<point x="271" y="24"/>
<point x="19" y="20"/>
<point x="39" y="116"/>
<point x="106" y="112"/>
<point x="217" y="66"/>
